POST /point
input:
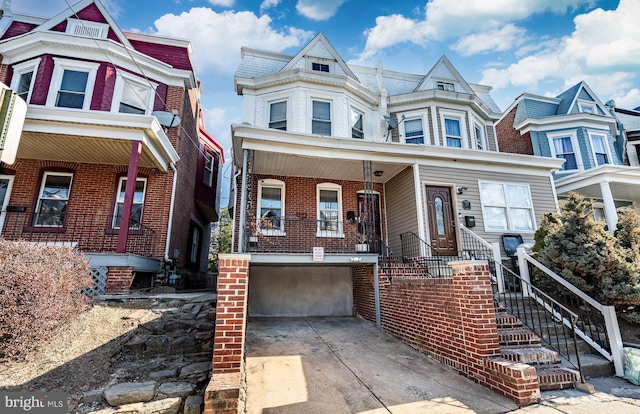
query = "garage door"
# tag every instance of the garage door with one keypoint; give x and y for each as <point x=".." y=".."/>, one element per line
<point x="300" y="291"/>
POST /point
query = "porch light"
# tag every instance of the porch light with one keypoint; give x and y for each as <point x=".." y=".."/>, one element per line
<point x="378" y="173"/>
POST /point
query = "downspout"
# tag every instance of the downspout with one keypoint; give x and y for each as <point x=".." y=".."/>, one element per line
<point x="243" y="202"/>
<point x="171" y="205"/>
<point x="233" y="233"/>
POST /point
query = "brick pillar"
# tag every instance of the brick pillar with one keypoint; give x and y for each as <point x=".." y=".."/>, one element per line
<point x="221" y="395"/>
<point x="119" y="279"/>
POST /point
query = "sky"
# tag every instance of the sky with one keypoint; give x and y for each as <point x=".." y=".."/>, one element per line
<point x="515" y="46"/>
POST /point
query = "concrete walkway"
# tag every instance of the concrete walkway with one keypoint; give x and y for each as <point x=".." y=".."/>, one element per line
<point x="345" y="365"/>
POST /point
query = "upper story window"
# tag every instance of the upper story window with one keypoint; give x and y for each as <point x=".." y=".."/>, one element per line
<point x="136" y="206"/>
<point x="321" y="67"/>
<point x="271" y="207"/>
<point x="445" y="86"/>
<point x="356" y="124"/>
<point x="453" y="132"/>
<point x="209" y="169"/>
<point x="24" y="77"/>
<point x="72" y="84"/>
<point x="506" y="206"/>
<point x="86" y="28"/>
<point x="132" y="95"/>
<point x="600" y="148"/>
<point x="278" y="115"/>
<point x="565" y="146"/>
<point x="587" y="107"/>
<point x="413" y="131"/>
<point x="478" y="135"/>
<point x="329" y="198"/>
<point x="53" y="199"/>
<point x="321" y="118"/>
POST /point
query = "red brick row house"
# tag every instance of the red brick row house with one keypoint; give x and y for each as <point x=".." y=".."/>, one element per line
<point x="113" y="134"/>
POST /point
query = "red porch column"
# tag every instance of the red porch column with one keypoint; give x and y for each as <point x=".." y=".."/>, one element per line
<point x="129" y="192"/>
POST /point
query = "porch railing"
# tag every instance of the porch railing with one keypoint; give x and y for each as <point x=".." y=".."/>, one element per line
<point x="476" y="248"/>
<point x="89" y="233"/>
<point x="433" y="262"/>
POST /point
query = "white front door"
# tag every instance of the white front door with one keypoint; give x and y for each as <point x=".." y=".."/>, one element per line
<point x="6" y="182"/>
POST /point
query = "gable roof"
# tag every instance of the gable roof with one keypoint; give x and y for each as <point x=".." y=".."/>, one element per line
<point x="73" y="11"/>
<point x="443" y="70"/>
<point x="579" y="91"/>
<point x="320" y="42"/>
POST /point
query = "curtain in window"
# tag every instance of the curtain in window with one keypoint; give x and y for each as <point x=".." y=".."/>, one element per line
<point x="413" y="131"/>
<point x="452" y="130"/>
<point x="321" y="110"/>
<point x="600" y="150"/>
<point x="135" y="98"/>
<point x="564" y="149"/>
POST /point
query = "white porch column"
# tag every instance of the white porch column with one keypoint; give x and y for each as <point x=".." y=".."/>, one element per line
<point x="610" y="213"/>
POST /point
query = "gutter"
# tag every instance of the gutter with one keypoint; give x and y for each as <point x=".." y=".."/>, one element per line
<point x="171" y="206"/>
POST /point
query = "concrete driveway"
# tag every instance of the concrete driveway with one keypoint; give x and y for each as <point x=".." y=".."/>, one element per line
<point x="344" y="365"/>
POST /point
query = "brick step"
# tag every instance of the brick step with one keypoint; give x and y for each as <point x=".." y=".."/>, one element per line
<point x="506" y="320"/>
<point x="535" y="355"/>
<point x="517" y="336"/>
<point x="555" y="377"/>
<point x="594" y="365"/>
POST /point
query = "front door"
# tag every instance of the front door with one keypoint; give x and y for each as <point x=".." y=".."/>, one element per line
<point x="6" y="182"/>
<point x="442" y="225"/>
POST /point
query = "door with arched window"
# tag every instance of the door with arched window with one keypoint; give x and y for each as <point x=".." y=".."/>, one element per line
<point x="442" y="224"/>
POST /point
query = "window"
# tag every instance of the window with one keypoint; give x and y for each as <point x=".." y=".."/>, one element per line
<point x="132" y="95"/>
<point x="356" y="124"/>
<point x="278" y="115"/>
<point x="320" y="67"/>
<point x="329" y="210"/>
<point x="564" y="146"/>
<point x="506" y="207"/>
<point x="136" y="206"/>
<point x="23" y="78"/>
<point x="599" y="145"/>
<point x="413" y="132"/>
<point x="24" y="85"/>
<point x="445" y="86"/>
<point x="271" y="207"/>
<point x="209" y="168"/>
<point x="195" y="244"/>
<point x="478" y="134"/>
<point x="321" y="120"/>
<point x="453" y="133"/>
<point x="53" y="199"/>
<point x="587" y="107"/>
<point x="72" y="84"/>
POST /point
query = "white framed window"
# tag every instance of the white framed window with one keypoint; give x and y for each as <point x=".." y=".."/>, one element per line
<point x="86" y="28"/>
<point x="321" y="118"/>
<point x="320" y="65"/>
<point x="357" y="123"/>
<point x="564" y="145"/>
<point x="136" y="206"/>
<point x="329" y="199"/>
<point x="72" y="84"/>
<point x="6" y="184"/>
<point x="195" y="244"/>
<point x="53" y="199"/>
<point x="271" y="207"/>
<point x="587" y="107"/>
<point x="445" y="86"/>
<point x="209" y="168"/>
<point x="278" y="115"/>
<point x="452" y="129"/>
<point x="132" y="95"/>
<point x="478" y="136"/>
<point x="506" y="206"/>
<point x="24" y="76"/>
<point x="413" y="131"/>
<point x="600" y="148"/>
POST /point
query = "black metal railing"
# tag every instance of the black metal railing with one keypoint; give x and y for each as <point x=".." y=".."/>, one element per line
<point x="90" y="233"/>
<point x="433" y="262"/>
<point x="553" y="322"/>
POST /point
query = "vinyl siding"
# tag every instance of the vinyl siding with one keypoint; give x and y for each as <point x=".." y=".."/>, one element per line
<point x="400" y="208"/>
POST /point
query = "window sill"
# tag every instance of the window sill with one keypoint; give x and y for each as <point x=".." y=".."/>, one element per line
<point x="117" y="231"/>
<point x="270" y="233"/>
<point x="45" y="229"/>
<point x="330" y="234"/>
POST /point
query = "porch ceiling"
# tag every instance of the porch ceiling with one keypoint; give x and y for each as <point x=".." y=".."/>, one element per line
<point x="624" y="182"/>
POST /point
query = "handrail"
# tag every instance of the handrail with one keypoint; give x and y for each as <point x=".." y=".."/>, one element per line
<point x="472" y="244"/>
<point x="433" y="262"/>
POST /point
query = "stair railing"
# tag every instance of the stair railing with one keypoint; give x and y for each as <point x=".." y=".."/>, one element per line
<point x="433" y="262"/>
<point x="597" y="324"/>
<point x="475" y="247"/>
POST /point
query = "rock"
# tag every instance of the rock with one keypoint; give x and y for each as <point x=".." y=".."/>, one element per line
<point x="175" y="325"/>
<point x="165" y="373"/>
<point x="137" y="342"/>
<point x="93" y="396"/>
<point x="196" y="310"/>
<point x="155" y="326"/>
<point x="130" y="408"/>
<point x="157" y="343"/>
<point x="176" y="389"/>
<point x="203" y="336"/>
<point x="165" y="406"/>
<point x="187" y="306"/>
<point x="166" y="310"/>
<point x="130" y="392"/>
<point x="196" y="368"/>
<point x="193" y="404"/>
<point x="182" y="345"/>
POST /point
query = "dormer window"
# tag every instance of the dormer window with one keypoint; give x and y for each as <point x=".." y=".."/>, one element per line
<point x="319" y="64"/>
<point x="321" y="67"/>
<point x="446" y="86"/>
<point x="85" y="28"/>
<point x="587" y="107"/>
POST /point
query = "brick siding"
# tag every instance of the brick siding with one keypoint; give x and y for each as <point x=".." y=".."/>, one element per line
<point x="119" y="279"/>
<point x="509" y="139"/>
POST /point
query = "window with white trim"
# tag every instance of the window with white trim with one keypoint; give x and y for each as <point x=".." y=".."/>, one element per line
<point x="600" y="148"/>
<point x="136" y="206"/>
<point x="278" y="115"/>
<point x="209" y="168"/>
<point x="321" y="118"/>
<point x="565" y="146"/>
<point x="132" y="95"/>
<point x="195" y="244"/>
<point x="445" y="86"/>
<point x="53" y="199"/>
<point x="587" y="107"/>
<point x="357" y="130"/>
<point x="24" y="78"/>
<point x="271" y="207"/>
<point x="413" y="131"/>
<point x="478" y="135"/>
<point x="506" y="206"/>
<point x="453" y="132"/>
<point x="329" y="198"/>
<point x="72" y="84"/>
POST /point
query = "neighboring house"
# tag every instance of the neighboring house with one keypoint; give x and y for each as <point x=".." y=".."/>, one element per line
<point x="331" y="155"/>
<point x="579" y="129"/>
<point x="113" y="134"/>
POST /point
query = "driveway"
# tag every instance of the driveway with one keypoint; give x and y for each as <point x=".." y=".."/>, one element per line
<point x="344" y="365"/>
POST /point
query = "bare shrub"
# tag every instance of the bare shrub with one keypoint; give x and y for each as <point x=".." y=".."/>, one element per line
<point x="40" y="289"/>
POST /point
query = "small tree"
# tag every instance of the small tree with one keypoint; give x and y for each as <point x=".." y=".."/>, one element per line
<point x="221" y="240"/>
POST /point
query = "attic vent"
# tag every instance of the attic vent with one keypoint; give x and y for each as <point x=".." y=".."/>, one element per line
<point x="85" y="28"/>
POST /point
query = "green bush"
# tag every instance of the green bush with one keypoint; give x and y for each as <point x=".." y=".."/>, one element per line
<point x="40" y="290"/>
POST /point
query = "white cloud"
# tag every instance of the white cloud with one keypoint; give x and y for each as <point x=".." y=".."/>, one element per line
<point x="498" y="40"/>
<point x="316" y="10"/>
<point x="218" y="37"/>
<point x="391" y="30"/>
<point x="223" y="3"/>
<point x="630" y="100"/>
<point x="267" y="4"/>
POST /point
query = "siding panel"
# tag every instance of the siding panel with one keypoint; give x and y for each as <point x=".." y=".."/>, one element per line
<point x="400" y="208"/>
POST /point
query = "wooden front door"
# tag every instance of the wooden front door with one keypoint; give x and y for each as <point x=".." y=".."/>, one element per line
<point x="442" y="225"/>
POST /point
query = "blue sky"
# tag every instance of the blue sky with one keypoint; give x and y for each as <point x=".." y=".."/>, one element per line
<point x="515" y="46"/>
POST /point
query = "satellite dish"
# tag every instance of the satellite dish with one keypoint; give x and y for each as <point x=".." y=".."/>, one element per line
<point x="167" y="119"/>
<point x="392" y="123"/>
